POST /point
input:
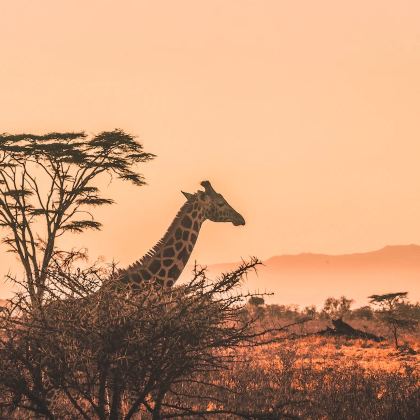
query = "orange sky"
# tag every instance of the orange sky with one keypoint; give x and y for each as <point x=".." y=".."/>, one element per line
<point x="304" y="114"/>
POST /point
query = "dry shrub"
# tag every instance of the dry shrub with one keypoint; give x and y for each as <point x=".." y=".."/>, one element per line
<point x="310" y="389"/>
<point x="112" y="354"/>
<point x="191" y="351"/>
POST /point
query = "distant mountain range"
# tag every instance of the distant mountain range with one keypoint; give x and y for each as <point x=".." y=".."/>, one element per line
<point x="307" y="278"/>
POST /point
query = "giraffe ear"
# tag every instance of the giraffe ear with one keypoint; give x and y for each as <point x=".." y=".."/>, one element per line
<point x="187" y="195"/>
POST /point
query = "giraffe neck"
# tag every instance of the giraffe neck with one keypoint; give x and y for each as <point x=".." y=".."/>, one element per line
<point x="164" y="263"/>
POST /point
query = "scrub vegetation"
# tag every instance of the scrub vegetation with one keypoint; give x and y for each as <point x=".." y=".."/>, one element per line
<point x="76" y="344"/>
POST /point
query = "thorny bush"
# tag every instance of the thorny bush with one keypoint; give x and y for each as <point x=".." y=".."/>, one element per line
<point x="109" y="353"/>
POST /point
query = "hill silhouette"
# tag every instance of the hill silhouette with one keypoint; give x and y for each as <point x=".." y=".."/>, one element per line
<point x="308" y="278"/>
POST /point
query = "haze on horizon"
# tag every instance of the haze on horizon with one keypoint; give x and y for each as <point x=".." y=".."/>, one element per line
<point x="304" y="115"/>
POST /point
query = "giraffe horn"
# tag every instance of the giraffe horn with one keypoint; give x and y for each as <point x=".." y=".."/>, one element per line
<point x="208" y="188"/>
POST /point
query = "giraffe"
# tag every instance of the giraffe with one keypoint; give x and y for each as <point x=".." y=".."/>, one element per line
<point x="164" y="263"/>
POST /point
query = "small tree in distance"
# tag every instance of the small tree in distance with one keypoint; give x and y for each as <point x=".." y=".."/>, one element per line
<point x="256" y="300"/>
<point x="391" y="315"/>
<point x="47" y="189"/>
<point x="336" y="308"/>
<point x="310" y="311"/>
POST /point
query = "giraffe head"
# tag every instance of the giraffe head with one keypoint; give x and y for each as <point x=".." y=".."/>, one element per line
<point x="215" y="207"/>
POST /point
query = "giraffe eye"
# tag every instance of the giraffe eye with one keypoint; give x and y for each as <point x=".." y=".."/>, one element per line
<point x="220" y="204"/>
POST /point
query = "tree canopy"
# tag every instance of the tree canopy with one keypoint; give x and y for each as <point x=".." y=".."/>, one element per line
<point x="47" y="189"/>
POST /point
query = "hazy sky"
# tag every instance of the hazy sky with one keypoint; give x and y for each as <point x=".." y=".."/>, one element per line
<point x="304" y="114"/>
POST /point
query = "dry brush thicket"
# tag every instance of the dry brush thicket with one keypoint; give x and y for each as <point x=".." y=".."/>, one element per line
<point x="197" y="350"/>
<point x="108" y="353"/>
<point x="74" y="344"/>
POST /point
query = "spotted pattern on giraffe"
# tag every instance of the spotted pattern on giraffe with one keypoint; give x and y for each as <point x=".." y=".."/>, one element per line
<point x="168" y="252"/>
<point x="145" y="275"/>
<point x="135" y="277"/>
<point x="184" y="255"/>
<point x="174" y="272"/>
<point x="154" y="266"/>
<point x="186" y="222"/>
<point x="165" y="261"/>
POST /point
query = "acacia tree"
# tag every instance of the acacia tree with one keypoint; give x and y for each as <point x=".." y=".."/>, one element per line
<point x="390" y="313"/>
<point x="47" y="189"/>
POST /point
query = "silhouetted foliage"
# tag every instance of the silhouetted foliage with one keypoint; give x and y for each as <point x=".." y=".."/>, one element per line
<point x="47" y="189"/>
<point x="409" y="310"/>
<point x="282" y="311"/>
<point x="336" y="308"/>
<point x="364" y="312"/>
<point x="256" y="301"/>
<point x="310" y="311"/>
<point x="391" y="313"/>
<point x="110" y="354"/>
<point x="73" y="345"/>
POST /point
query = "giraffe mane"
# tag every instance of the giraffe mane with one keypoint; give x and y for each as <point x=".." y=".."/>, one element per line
<point x="152" y="251"/>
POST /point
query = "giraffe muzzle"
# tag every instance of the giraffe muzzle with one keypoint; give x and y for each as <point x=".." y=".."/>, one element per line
<point x="238" y="221"/>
